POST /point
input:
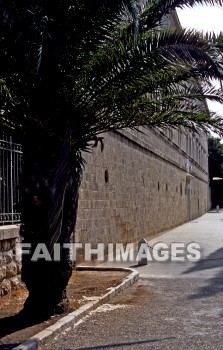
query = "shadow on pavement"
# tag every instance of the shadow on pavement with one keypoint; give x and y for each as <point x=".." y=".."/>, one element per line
<point x="213" y="261"/>
<point x="13" y="324"/>
<point x="119" y="345"/>
<point x="8" y="346"/>
<point x="214" y="285"/>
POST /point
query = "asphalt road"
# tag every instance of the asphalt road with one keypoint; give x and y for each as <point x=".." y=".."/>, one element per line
<point x="153" y="314"/>
<point x="175" y="305"/>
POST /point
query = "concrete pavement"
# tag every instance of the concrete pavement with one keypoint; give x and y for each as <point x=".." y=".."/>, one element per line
<point x="207" y="231"/>
<point x="175" y="305"/>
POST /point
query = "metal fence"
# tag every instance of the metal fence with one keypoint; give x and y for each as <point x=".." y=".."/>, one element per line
<point x="10" y="167"/>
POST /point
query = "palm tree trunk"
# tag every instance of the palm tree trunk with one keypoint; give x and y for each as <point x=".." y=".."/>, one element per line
<point x="50" y="184"/>
<point x="46" y="283"/>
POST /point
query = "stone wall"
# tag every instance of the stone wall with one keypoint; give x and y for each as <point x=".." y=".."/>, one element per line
<point x="10" y="267"/>
<point x="137" y="187"/>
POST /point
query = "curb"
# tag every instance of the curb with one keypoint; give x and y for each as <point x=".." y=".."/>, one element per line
<point x="72" y="318"/>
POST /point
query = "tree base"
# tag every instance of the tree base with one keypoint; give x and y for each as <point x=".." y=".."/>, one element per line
<point x="46" y="282"/>
<point x="40" y="309"/>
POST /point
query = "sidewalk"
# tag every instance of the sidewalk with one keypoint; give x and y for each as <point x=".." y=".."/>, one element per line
<point x="207" y="231"/>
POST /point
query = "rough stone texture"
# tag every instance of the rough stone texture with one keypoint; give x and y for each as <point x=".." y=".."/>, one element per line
<point x="137" y="187"/>
<point x="11" y="270"/>
<point x="2" y="273"/>
<point x="15" y="282"/>
<point x="8" y="256"/>
<point x="5" y="287"/>
<point x="19" y="268"/>
<point x="10" y="265"/>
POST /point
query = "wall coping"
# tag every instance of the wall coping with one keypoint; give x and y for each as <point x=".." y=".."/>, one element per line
<point x="9" y="232"/>
<point x="161" y="155"/>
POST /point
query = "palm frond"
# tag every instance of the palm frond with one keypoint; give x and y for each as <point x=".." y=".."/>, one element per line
<point x="114" y="77"/>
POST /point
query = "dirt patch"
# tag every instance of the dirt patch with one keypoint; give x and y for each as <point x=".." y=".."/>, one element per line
<point x="83" y="286"/>
<point x="135" y="296"/>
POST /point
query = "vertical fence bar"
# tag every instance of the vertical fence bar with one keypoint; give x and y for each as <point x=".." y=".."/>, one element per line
<point x="1" y="176"/>
<point x="10" y="168"/>
<point x="11" y="182"/>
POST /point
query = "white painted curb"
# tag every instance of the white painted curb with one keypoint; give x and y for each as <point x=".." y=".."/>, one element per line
<point x="72" y="318"/>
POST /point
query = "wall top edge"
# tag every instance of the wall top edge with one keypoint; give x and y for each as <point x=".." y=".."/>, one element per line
<point x="9" y="232"/>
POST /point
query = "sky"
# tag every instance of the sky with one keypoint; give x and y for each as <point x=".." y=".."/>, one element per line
<point x="205" y="19"/>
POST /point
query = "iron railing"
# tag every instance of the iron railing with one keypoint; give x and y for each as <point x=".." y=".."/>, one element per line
<point x="10" y="168"/>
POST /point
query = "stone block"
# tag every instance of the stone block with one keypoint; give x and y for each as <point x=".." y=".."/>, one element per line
<point x="15" y="282"/>
<point x="19" y="268"/>
<point x="2" y="272"/>
<point x="7" y="257"/>
<point x="11" y="270"/>
<point x="5" y="287"/>
<point x="5" y="245"/>
<point x="9" y="232"/>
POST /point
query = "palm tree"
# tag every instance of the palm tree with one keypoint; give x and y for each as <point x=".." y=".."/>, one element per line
<point x="72" y="70"/>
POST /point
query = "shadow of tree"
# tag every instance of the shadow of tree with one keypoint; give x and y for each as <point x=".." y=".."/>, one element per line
<point x="120" y="345"/>
<point x="214" y="285"/>
<point x="213" y="261"/>
<point x="8" y="346"/>
<point x="11" y="324"/>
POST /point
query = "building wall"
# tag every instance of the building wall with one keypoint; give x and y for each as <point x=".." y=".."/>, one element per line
<point x="137" y="186"/>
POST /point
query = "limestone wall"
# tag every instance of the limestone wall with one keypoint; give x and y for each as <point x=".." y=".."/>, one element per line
<point x="137" y="186"/>
<point x="10" y="267"/>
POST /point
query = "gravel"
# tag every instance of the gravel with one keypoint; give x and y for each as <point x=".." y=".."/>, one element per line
<point x="153" y="314"/>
